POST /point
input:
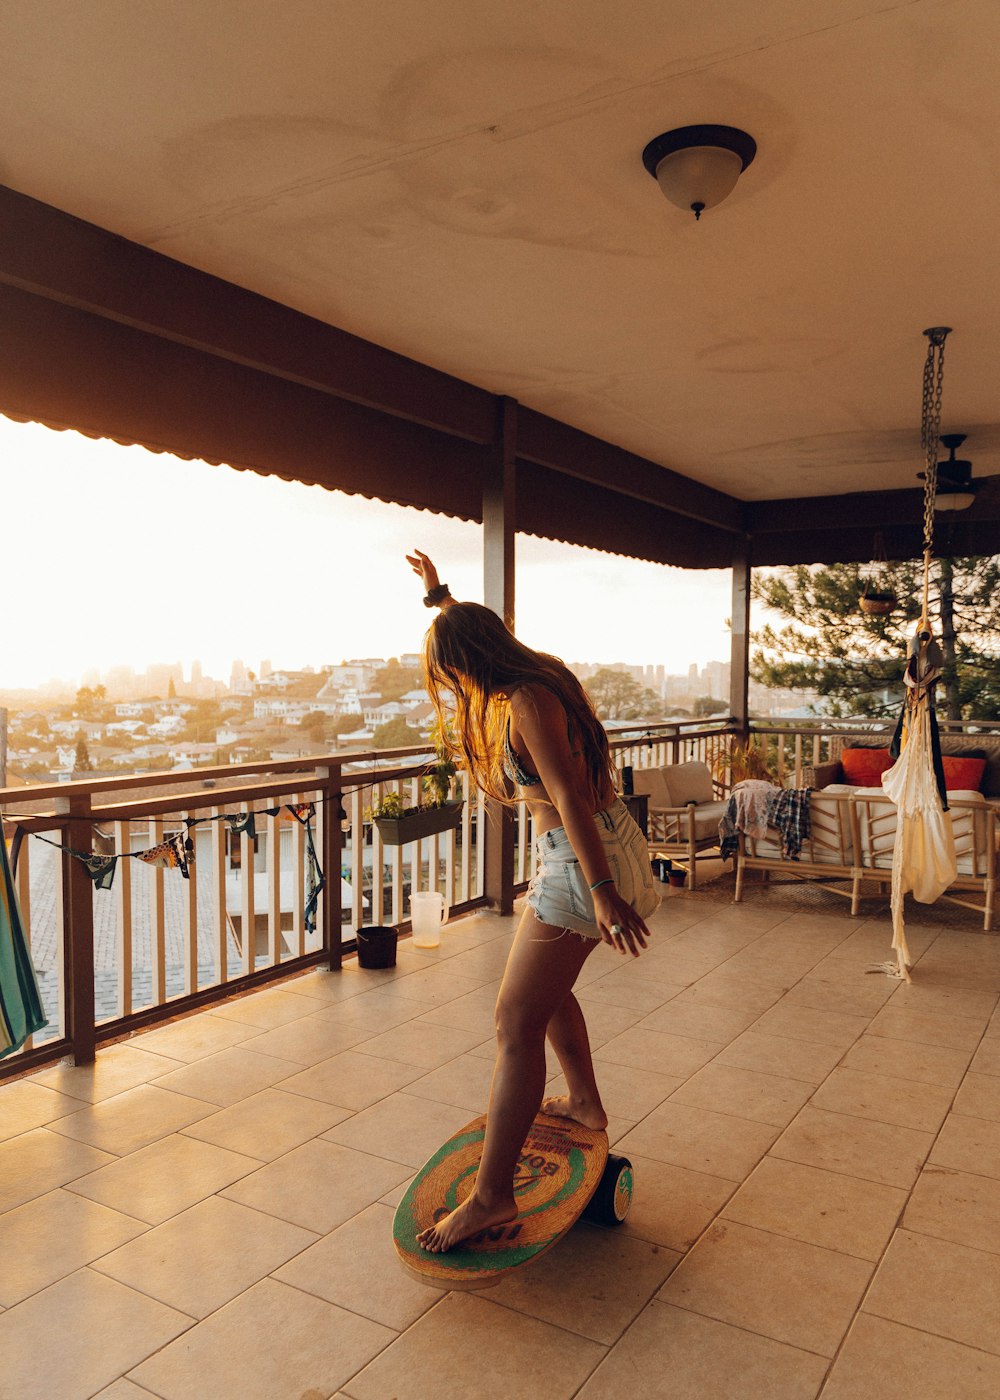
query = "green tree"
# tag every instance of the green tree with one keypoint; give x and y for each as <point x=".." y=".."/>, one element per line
<point x="395" y="734"/>
<point x="618" y="695"/>
<point x="856" y="661"/>
<point x="708" y="705"/>
<point x="89" y="698"/>
<point x="394" y="679"/>
<point x="81" y="756"/>
<point x="201" y="722"/>
<point x="171" y="690"/>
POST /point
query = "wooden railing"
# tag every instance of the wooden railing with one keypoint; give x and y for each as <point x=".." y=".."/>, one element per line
<point x="791" y="747"/>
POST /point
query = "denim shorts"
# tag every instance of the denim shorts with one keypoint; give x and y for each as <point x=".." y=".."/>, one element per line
<point x="559" y="893"/>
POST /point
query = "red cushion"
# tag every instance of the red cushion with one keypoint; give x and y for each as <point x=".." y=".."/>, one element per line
<point x="864" y="767"/>
<point x="962" y="774"/>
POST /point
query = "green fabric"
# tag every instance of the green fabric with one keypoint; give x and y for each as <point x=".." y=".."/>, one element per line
<point x="21" y="1011"/>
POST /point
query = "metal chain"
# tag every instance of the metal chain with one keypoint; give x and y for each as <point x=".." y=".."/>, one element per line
<point x="930" y="422"/>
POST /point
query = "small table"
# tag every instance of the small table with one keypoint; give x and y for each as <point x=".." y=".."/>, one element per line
<point x="638" y="809"/>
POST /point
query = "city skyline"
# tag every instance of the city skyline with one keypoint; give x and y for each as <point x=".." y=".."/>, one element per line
<point x="123" y="555"/>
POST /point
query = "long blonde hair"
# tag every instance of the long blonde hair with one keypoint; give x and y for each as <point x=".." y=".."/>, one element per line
<point x="471" y="657"/>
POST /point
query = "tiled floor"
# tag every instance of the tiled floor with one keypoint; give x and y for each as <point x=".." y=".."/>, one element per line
<point x="206" y="1212"/>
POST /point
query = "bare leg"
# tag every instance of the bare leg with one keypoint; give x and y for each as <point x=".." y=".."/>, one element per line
<point x="542" y="967"/>
<point x="567" y="1032"/>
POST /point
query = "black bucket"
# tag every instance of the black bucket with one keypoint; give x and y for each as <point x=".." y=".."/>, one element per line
<point x="377" y="946"/>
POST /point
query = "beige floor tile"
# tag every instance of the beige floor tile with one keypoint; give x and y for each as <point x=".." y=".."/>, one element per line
<point x="900" y="1101"/>
<point x="116" y="1069"/>
<point x="779" y="1287"/>
<point x="434" y="985"/>
<point x="227" y="1077"/>
<point x="979" y="1097"/>
<point x="672" y="1205"/>
<point x="265" y="1009"/>
<point x="323" y="985"/>
<point x="269" y="1343"/>
<point x="351" y="1079"/>
<point x="626" y="1092"/>
<point x="605" y="1021"/>
<point x="968" y="1145"/>
<point x="900" y="1059"/>
<point x="741" y="994"/>
<point x="666" y="1054"/>
<point x="418" y="1043"/>
<point x="672" y="1354"/>
<point x="856" y="1146"/>
<point x="684" y="1016"/>
<point x="132" y="1120"/>
<point x="956" y="1206"/>
<point x="473" y="1012"/>
<point x="39" y="1161"/>
<point x="987" y="1058"/>
<point x="196" y="1036"/>
<point x="673" y="966"/>
<point x="836" y="1028"/>
<point x="744" y="1093"/>
<point x="926" y="1028"/>
<point x="307" y="1040"/>
<point x="467" y="1346"/>
<point x="25" y="1105"/>
<point x="465" y="1083"/>
<point x="818" y="1207"/>
<point x="402" y="1127"/>
<point x="267" y="1124"/>
<point x="53" y="1235"/>
<point x="623" y="988"/>
<point x="776" y="1054"/>
<point x="702" y="1141"/>
<point x="892" y="1362"/>
<point x="378" y="1010"/>
<point x="103" y="1329"/>
<point x="594" y="1282"/>
<point x="939" y="1287"/>
<point x="318" y="1185"/>
<point x="356" y="1267"/>
<point x="926" y="995"/>
<point x="160" y="1180"/>
<point x="200" y="1259"/>
<point x="854" y="998"/>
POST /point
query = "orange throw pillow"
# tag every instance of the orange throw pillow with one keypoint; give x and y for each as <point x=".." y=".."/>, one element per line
<point x="962" y="774"/>
<point x="864" y="767"/>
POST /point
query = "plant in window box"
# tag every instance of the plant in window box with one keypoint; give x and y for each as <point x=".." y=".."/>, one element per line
<point x="398" y="824"/>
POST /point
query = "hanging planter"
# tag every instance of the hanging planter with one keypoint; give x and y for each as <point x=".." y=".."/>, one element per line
<point x="412" y="823"/>
<point x="878" y="597"/>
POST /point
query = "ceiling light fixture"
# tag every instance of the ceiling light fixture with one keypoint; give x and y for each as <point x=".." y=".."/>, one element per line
<point x="696" y="167"/>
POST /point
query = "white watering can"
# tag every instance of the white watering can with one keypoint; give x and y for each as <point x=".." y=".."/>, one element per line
<point x="427" y="914"/>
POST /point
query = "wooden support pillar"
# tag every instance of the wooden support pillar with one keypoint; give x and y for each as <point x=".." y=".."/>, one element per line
<point x="739" y="656"/>
<point x="78" y="929"/>
<point x="499" y="513"/>
<point x="331" y="845"/>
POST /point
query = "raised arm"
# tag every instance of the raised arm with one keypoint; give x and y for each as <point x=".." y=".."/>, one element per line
<point x="436" y="594"/>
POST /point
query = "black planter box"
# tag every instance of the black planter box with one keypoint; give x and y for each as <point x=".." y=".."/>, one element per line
<point x="425" y="821"/>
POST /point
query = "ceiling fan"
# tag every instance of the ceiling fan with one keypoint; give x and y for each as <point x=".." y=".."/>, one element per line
<point x="955" y="488"/>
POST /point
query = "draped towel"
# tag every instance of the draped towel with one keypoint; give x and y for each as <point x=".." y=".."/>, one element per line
<point x="21" y="1011"/>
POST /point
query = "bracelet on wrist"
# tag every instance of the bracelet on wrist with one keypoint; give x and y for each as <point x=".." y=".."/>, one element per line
<point x="597" y="886"/>
<point x="437" y="595"/>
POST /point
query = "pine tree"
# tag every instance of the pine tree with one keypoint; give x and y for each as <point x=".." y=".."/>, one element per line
<point x="856" y="661"/>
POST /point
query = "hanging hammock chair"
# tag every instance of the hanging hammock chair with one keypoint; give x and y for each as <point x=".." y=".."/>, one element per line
<point x="924" y="863"/>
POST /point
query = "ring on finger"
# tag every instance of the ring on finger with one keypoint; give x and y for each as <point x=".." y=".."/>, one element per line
<point x="617" y="930"/>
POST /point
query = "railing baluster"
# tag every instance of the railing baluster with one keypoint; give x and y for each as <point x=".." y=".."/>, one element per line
<point x="123" y="917"/>
<point x="298" y="878"/>
<point x="157" y="922"/>
<point x="220" y="912"/>
<point x="480" y="843"/>
<point x="274" y="890"/>
<point x="357" y="858"/>
<point x="416" y="847"/>
<point x="466" y="882"/>
<point x="190" y="951"/>
<point x="22" y="888"/>
<point x="377" y="861"/>
<point x="248" y="906"/>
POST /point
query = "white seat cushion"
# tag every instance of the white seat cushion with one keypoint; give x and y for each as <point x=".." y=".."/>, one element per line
<point x="689" y="782"/>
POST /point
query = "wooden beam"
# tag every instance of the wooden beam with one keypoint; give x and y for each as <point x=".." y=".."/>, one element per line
<point x="549" y="443"/>
<point x="499" y="518"/>
<point x="65" y="259"/>
<point x="739" y="647"/>
<point x="872" y="509"/>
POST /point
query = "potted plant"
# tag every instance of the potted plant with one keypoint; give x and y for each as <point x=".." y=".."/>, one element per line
<point x="398" y="824"/>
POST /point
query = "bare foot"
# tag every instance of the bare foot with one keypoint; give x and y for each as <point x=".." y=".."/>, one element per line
<point x="590" y="1114"/>
<point x="467" y="1219"/>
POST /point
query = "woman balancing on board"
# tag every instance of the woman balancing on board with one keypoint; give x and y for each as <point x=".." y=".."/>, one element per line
<point x="523" y="715"/>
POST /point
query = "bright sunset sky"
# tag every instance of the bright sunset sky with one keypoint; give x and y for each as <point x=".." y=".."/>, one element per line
<point x="115" y="556"/>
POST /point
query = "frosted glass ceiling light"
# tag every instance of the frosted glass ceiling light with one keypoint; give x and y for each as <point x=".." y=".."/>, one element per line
<point x="696" y="167"/>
